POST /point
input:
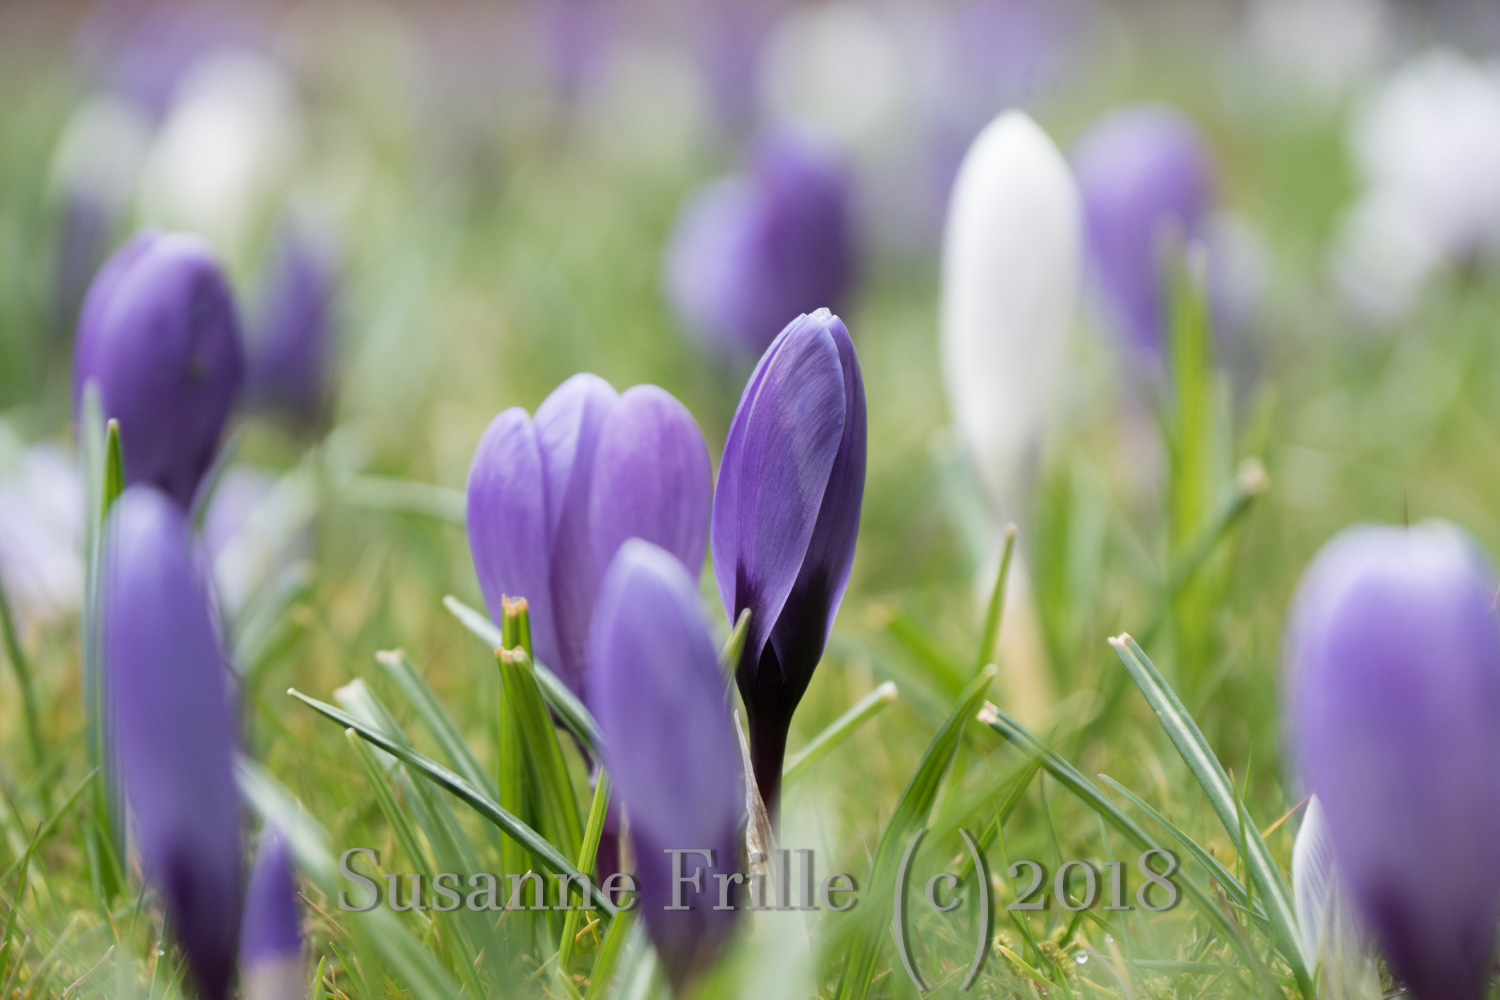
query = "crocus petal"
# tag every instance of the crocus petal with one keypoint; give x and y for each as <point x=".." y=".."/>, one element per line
<point x="289" y="357"/>
<point x="657" y="692"/>
<point x="781" y="447"/>
<point x="166" y="680"/>
<point x="272" y="928"/>
<point x="1011" y="261"/>
<point x="160" y="336"/>
<point x="1393" y="658"/>
<point x="651" y="479"/>
<point x="1146" y="176"/>
<point x="568" y="424"/>
<point x="1331" y="941"/>
<point x="509" y="534"/>
<point x="753" y="251"/>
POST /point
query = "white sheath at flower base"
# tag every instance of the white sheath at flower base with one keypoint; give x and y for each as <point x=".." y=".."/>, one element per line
<point x="1012" y="256"/>
<point x="1331" y="941"/>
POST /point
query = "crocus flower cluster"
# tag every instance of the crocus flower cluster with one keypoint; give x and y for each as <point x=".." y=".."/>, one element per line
<point x="654" y="680"/>
<point x="166" y="678"/>
<point x="786" y="513"/>
<point x="1012" y="256"/>
<point x="551" y="499"/>
<point x="752" y="252"/>
<point x="160" y="336"/>
<point x="1393" y="661"/>
<point x="1147" y="178"/>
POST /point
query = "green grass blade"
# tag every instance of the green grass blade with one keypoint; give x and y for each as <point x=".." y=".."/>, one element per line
<point x="1209" y="773"/>
<point x="114" y="466"/>
<point x="609" y="954"/>
<point x="556" y="805"/>
<point x="559" y="698"/>
<point x="839" y="730"/>
<point x="406" y="496"/>
<point x="22" y="668"/>
<point x="586" y="855"/>
<point x="399" y="667"/>
<point x="996" y="608"/>
<point x="1070" y="778"/>
<point x="734" y="646"/>
<point x="459" y="786"/>
<point x="1233" y="886"/>
<point x="915" y="803"/>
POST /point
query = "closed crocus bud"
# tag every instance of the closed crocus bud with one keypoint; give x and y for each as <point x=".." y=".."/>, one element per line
<point x="752" y="252"/>
<point x="1393" y="661"/>
<point x="786" y="513"/>
<point x="1011" y="263"/>
<point x="160" y="337"/>
<point x="670" y="748"/>
<point x="1147" y="180"/>
<point x="165" y="676"/>
<point x="291" y="351"/>
<point x="550" y="499"/>
<point x="271" y="931"/>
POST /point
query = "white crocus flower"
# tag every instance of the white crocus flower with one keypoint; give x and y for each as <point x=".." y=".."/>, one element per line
<point x="1012" y="257"/>
<point x="224" y="147"/>
<point x="41" y="531"/>
<point x="1427" y="144"/>
<point x="1331" y="940"/>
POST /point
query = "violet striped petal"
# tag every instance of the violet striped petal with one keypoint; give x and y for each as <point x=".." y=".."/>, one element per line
<point x="509" y="534"/>
<point x="165" y="676"/>
<point x="568" y="424"/>
<point x="1393" y="660"/>
<point x="651" y="480"/>
<point x="657" y="692"/>
<point x="160" y="336"/>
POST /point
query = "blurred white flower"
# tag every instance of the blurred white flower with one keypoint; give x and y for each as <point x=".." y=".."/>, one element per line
<point x="836" y="66"/>
<point x="100" y="152"/>
<point x="1331" y="940"/>
<point x="1427" y="145"/>
<point x="41" y="532"/>
<point x="1321" y="46"/>
<point x="227" y="142"/>
<point x="256" y="528"/>
<point x="1012" y="255"/>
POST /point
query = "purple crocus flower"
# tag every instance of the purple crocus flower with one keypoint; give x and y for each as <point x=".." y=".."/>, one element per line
<point x="752" y="252"/>
<point x="786" y="512"/>
<point x="271" y="932"/>
<point x="160" y="336"/>
<point x="670" y="748"/>
<point x="1146" y="176"/>
<point x="1393" y="659"/>
<point x="165" y="674"/>
<point x="550" y="499"/>
<point x="290" y="355"/>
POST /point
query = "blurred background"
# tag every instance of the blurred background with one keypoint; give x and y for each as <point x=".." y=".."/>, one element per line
<point x="433" y="211"/>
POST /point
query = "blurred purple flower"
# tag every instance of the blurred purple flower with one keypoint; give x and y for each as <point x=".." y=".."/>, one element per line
<point x="576" y="37"/>
<point x="271" y="932"/>
<point x="291" y="352"/>
<point x="785" y="517"/>
<point x="160" y="335"/>
<point x="670" y="747"/>
<point x="1146" y="176"/>
<point x="165" y="676"/>
<point x="1393" y="661"/>
<point x="752" y="252"/>
<point x="551" y="499"/>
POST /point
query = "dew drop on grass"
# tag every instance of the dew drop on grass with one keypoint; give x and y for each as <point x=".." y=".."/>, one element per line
<point x="1081" y="957"/>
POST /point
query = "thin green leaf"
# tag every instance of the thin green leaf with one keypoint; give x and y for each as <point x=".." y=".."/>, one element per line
<point x="22" y="668"/>
<point x="915" y="803"/>
<point x="586" y="855"/>
<point x="734" y="646"/>
<point x="406" y="496"/>
<point x="994" y="612"/>
<point x="839" y="730"/>
<point x="399" y="667"/>
<point x="1209" y="773"/>
<point x="467" y="792"/>
<point x="556" y="805"/>
<point x="609" y="954"/>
